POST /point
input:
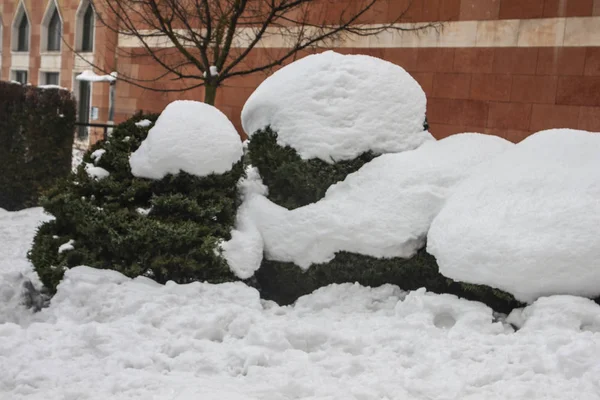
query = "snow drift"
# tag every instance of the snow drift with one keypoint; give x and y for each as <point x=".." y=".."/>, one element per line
<point x="188" y="136"/>
<point x="528" y="222"/>
<point x="336" y="107"/>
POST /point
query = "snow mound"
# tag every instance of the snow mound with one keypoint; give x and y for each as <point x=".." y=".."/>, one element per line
<point x="188" y="136"/>
<point x="529" y="221"/>
<point x="383" y="210"/>
<point x="336" y="107"/>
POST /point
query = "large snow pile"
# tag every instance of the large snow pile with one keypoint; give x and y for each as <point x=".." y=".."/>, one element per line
<point x="106" y="336"/>
<point x="529" y="222"/>
<point x="383" y="210"/>
<point x="336" y="107"/>
<point x="188" y="136"/>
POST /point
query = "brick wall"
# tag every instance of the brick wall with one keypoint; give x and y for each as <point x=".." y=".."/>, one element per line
<point x="503" y="67"/>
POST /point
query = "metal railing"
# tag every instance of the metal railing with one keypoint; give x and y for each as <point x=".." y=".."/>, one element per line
<point x="105" y="127"/>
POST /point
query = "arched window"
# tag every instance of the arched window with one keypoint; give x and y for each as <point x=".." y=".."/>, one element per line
<point x="87" y="38"/>
<point x="23" y="34"/>
<point x="54" y="32"/>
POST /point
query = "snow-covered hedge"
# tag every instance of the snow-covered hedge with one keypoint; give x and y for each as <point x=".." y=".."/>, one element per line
<point x="336" y="107"/>
<point x="292" y="181"/>
<point x="528" y="222"/>
<point x="323" y="117"/>
<point x="370" y="228"/>
<point x="36" y="136"/>
<point x="165" y="229"/>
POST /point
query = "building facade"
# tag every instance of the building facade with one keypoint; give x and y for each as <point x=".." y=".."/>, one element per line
<point x="502" y="67"/>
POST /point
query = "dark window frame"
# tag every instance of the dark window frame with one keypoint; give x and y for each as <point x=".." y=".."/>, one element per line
<point x="88" y="30"/>
<point x="21" y="76"/>
<point x="23" y="33"/>
<point x="54" y="32"/>
<point x="52" y="81"/>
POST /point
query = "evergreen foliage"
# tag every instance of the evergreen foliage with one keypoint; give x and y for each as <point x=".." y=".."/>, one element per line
<point x="36" y="138"/>
<point x="164" y="229"/>
<point x="292" y="181"/>
<point x="284" y="283"/>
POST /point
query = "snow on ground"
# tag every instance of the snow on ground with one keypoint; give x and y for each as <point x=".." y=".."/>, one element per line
<point x="383" y="210"/>
<point x="16" y="232"/>
<point x="109" y="337"/>
<point x="336" y="107"/>
<point x="529" y="222"/>
<point x="188" y="136"/>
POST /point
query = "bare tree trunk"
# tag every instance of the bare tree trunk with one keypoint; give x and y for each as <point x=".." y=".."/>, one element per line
<point x="210" y="94"/>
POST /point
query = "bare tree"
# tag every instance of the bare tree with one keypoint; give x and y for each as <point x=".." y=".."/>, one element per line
<point x="206" y="42"/>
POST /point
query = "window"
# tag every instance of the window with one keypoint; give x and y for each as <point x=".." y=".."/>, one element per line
<point x="19" y="38"/>
<point x="85" y="96"/>
<point x="20" y="76"/>
<point x="51" y="78"/>
<point x="87" y="39"/>
<point x="23" y="34"/>
<point x="54" y="32"/>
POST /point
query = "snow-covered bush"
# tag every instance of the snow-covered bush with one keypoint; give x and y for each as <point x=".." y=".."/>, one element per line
<point x="370" y="228"/>
<point x="292" y="181"/>
<point x="320" y="118"/>
<point x="528" y="222"/>
<point x="165" y="228"/>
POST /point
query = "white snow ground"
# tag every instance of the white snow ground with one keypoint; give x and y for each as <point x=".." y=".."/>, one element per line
<point x="335" y="107"/>
<point x="108" y="337"/>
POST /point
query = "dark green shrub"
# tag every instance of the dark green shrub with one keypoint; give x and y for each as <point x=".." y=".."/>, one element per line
<point x="36" y="141"/>
<point x="292" y="181"/>
<point x="186" y="217"/>
<point x="284" y="283"/>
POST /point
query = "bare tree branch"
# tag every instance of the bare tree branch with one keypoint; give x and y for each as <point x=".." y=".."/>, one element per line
<point x="207" y="42"/>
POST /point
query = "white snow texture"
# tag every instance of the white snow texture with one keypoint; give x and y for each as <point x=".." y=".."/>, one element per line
<point x="529" y="221"/>
<point x="91" y="76"/>
<point x="383" y="210"/>
<point x="106" y="336"/>
<point x="336" y="107"/>
<point x="188" y="136"/>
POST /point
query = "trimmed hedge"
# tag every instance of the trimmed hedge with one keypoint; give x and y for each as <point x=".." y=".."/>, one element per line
<point x="36" y="139"/>
<point x="164" y="229"/>
<point x="294" y="183"/>
<point x="284" y="283"/>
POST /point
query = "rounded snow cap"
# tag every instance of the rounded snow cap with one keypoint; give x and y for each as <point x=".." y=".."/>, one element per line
<point x="188" y="136"/>
<point x="335" y="107"/>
